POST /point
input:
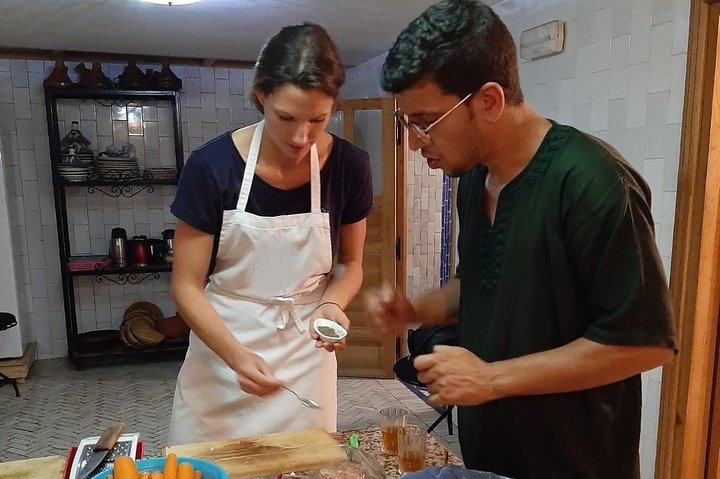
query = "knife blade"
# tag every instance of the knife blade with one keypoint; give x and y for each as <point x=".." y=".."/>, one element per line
<point x="101" y="449"/>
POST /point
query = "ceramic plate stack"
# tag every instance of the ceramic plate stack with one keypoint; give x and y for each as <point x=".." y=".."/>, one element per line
<point x="119" y="168"/>
<point x="161" y="174"/>
<point x="76" y="171"/>
<point x="85" y="156"/>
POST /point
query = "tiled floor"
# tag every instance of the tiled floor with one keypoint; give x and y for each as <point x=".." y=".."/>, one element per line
<point x="59" y="406"/>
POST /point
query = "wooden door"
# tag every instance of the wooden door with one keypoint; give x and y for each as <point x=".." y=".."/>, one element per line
<point x="370" y="124"/>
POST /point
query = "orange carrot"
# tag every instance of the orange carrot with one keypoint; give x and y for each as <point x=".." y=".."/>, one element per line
<point x="198" y="475"/>
<point x="186" y="471"/>
<point x="124" y="468"/>
<point x="171" y="467"/>
<point x="157" y="475"/>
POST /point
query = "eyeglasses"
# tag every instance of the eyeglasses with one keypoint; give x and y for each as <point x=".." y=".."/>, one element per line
<point x="422" y="133"/>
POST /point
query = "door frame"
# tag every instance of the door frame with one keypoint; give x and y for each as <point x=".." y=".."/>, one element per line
<point x="687" y="398"/>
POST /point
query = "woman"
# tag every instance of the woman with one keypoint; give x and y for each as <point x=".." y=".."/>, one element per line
<point x="268" y="207"/>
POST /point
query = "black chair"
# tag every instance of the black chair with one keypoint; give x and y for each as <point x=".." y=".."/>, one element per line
<point x="7" y="321"/>
<point x="444" y="411"/>
<point x="421" y="341"/>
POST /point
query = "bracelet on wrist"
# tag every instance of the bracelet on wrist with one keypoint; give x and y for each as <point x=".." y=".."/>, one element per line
<point x="329" y="302"/>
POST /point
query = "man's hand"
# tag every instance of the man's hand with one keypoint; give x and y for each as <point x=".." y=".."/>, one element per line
<point x="456" y="376"/>
<point x="332" y="312"/>
<point x="389" y="309"/>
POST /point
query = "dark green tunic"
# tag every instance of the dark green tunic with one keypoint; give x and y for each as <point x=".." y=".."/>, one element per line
<point x="571" y="254"/>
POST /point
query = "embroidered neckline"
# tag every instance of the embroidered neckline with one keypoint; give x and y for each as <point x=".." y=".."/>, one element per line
<point x="490" y="255"/>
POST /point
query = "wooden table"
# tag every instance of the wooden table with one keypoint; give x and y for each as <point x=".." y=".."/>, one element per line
<point x="371" y="443"/>
<point x="51" y="467"/>
<point x="306" y="446"/>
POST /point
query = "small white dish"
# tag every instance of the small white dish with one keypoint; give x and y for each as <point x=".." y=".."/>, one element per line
<point x="329" y="331"/>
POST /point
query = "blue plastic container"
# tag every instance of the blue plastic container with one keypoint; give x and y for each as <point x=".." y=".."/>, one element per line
<point x="209" y="470"/>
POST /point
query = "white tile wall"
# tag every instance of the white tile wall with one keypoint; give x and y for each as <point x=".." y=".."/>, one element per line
<point x="213" y="101"/>
<point x="628" y="59"/>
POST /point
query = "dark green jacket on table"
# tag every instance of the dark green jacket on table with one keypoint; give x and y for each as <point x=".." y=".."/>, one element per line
<point x="571" y="254"/>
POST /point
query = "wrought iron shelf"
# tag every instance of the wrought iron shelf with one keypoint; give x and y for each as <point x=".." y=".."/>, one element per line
<point x="96" y="347"/>
<point x="163" y="268"/>
<point x="126" y="189"/>
<point x="96" y="355"/>
<point x="109" y="94"/>
<point x="121" y="183"/>
<point x="120" y="276"/>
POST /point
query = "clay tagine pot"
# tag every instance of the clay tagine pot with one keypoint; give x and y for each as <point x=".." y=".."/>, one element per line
<point x="96" y="78"/>
<point x="83" y="73"/>
<point x="167" y="80"/>
<point x="58" y="78"/>
<point x="132" y="78"/>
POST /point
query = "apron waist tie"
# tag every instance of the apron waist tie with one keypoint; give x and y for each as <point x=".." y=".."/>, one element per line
<point x="286" y="311"/>
<point x="285" y="304"/>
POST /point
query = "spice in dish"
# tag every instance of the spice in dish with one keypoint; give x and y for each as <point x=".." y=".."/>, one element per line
<point x="327" y="331"/>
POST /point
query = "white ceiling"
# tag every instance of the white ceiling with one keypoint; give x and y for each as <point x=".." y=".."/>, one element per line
<point x="212" y="29"/>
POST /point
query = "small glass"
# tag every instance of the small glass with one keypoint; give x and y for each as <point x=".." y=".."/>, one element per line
<point x="391" y="420"/>
<point x="411" y="444"/>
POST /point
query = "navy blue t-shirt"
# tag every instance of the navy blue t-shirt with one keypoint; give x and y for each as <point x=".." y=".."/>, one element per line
<point x="211" y="178"/>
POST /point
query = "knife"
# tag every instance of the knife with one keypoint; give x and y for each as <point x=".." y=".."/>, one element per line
<point x="101" y="449"/>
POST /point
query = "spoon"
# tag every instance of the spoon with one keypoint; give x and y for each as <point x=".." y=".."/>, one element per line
<point x="304" y="401"/>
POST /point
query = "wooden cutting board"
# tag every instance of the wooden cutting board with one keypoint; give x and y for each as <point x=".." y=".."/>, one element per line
<point x="268" y="454"/>
<point x="51" y="467"/>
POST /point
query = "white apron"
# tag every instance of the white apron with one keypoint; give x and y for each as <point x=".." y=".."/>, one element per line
<point x="269" y="276"/>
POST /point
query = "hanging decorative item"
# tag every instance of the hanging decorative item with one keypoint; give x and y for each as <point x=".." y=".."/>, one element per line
<point x="58" y="78"/>
<point x="167" y="80"/>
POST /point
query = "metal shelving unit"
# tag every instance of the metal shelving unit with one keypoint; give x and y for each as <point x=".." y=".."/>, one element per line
<point x="105" y="346"/>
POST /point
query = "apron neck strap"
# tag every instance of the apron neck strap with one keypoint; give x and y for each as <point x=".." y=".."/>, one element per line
<point x="314" y="180"/>
<point x="251" y="163"/>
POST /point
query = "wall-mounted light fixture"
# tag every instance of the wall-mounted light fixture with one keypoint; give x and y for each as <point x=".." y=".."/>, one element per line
<point x="542" y="41"/>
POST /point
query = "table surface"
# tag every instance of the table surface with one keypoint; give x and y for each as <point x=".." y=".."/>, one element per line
<point x="371" y="442"/>
<point x="51" y="467"/>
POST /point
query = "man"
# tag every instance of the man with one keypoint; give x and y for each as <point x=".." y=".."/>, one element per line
<point x="560" y="294"/>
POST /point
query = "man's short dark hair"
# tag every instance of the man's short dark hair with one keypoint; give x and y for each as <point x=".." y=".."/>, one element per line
<point x="460" y="45"/>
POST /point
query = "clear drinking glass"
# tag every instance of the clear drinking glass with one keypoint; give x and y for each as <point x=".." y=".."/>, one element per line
<point x="391" y="419"/>
<point x="411" y="444"/>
